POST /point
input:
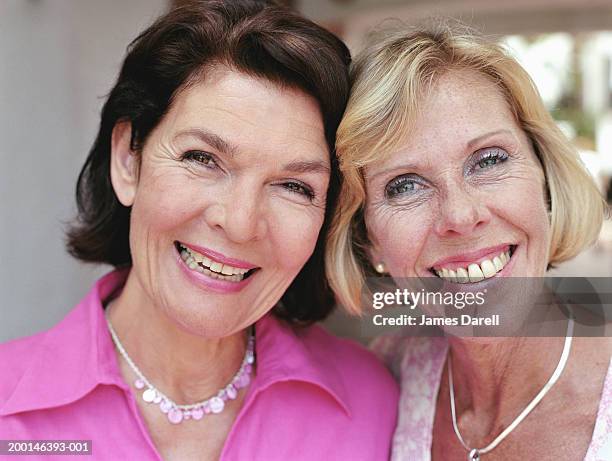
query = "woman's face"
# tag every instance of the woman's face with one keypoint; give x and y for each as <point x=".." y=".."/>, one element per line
<point x="464" y="196"/>
<point x="229" y="201"/>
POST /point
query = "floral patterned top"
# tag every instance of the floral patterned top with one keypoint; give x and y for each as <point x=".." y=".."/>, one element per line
<point x="418" y="363"/>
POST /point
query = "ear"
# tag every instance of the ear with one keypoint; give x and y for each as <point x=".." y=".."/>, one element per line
<point x="375" y="257"/>
<point x="124" y="164"/>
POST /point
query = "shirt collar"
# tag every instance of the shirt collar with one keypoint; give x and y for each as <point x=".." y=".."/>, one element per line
<point x="300" y="354"/>
<point x="78" y="354"/>
<point x="73" y="357"/>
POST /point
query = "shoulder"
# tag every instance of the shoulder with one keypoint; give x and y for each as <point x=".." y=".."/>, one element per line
<point x="601" y="442"/>
<point x="402" y="354"/>
<point x="350" y="358"/>
<point x="338" y="386"/>
<point x="53" y="366"/>
<point x="16" y="357"/>
<point x="369" y="386"/>
<point x="312" y="351"/>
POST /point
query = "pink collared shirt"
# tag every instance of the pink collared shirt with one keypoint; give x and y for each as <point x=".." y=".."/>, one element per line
<point x="313" y="397"/>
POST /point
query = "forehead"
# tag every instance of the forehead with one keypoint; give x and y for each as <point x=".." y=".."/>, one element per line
<point x="459" y="107"/>
<point x="250" y="113"/>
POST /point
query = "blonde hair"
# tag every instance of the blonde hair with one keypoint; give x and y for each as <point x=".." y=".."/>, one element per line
<point x="390" y="79"/>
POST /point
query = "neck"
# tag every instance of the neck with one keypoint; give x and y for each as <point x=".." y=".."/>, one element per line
<point x="495" y="381"/>
<point x="182" y="365"/>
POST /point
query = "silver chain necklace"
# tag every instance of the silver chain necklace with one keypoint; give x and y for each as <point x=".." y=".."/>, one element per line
<point x="474" y="453"/>
<point x="196" y="411"/>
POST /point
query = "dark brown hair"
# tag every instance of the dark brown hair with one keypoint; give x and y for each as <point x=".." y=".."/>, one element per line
<point x="259" y="38"/>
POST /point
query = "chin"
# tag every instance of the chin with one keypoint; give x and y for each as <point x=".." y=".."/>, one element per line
<point x="203" y="323"/>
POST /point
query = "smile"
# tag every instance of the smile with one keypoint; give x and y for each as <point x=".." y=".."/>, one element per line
<point x="476" y="271"/>
<point x="203" y="264"/>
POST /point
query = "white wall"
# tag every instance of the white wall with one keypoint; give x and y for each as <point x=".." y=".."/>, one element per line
<point x="355" y="18"/>
<point x="58" y="58"/>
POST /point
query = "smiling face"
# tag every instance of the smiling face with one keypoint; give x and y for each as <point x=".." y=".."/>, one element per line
<point x="464" y="196"/>
<point x="228" y="201"/>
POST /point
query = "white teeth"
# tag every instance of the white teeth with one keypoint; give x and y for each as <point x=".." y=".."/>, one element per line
<point x="462" y="275"/>
<point x="200" y="263"/>
<point x="476" y="272"/>
<point x="499" y="265"/>
<point x="216" y="267"/>
<point x="488" y="269"/>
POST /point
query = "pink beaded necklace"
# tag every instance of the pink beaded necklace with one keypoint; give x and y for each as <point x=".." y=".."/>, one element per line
<point x="196" y="411"/>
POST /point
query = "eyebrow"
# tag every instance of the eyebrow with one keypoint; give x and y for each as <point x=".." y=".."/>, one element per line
<point x="220" y="144"/>
<point x="403" y="166"/>
<point x="307" y="166"/>
<point x="479" y="139"/>
<point x="210" y="138"/>
<point x="470" y="145"/>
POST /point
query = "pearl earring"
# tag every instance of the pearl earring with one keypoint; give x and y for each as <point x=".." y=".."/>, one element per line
<point x="380" y="268"/>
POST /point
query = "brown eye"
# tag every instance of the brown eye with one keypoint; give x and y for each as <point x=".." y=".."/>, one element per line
<point x="299" y="188"/>
<point x="200" y="157"/>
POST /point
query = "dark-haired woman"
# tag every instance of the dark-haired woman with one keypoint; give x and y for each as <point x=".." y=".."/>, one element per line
<point x="209" y="188"/>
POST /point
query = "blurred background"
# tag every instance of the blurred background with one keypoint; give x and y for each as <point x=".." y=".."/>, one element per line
<point x="59" y="58"/>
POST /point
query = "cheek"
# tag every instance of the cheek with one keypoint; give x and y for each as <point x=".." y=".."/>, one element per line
<point x="526" y="217"/>
<point x="157" y="210"/>
<point x="293" y="234"/>
<point x="527" y="210"/>
<point x="159" y="217"/>
<point x="399" y="236"/>
<point x="534" y="221"/>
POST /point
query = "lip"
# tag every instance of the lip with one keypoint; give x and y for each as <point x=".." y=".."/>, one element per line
<point x="488" y="283"/>
<point x="505" y="272"/>
<point x="472" y="257"/>
<point x="209" y="283"/>
<point x="220" y="258"/>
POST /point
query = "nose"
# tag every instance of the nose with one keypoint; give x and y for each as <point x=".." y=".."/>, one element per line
<point x="461" y="211"/>
<point x="238" y="213"/>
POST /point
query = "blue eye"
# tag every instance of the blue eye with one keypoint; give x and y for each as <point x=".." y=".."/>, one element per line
<point x="489" y="157"/>
<point x="200" y="157"/>
<point x="402" y="185"/>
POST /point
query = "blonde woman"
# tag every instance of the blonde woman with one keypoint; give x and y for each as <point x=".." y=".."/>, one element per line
<point x="454" y="169"/>
<point x="200" y="344"/>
